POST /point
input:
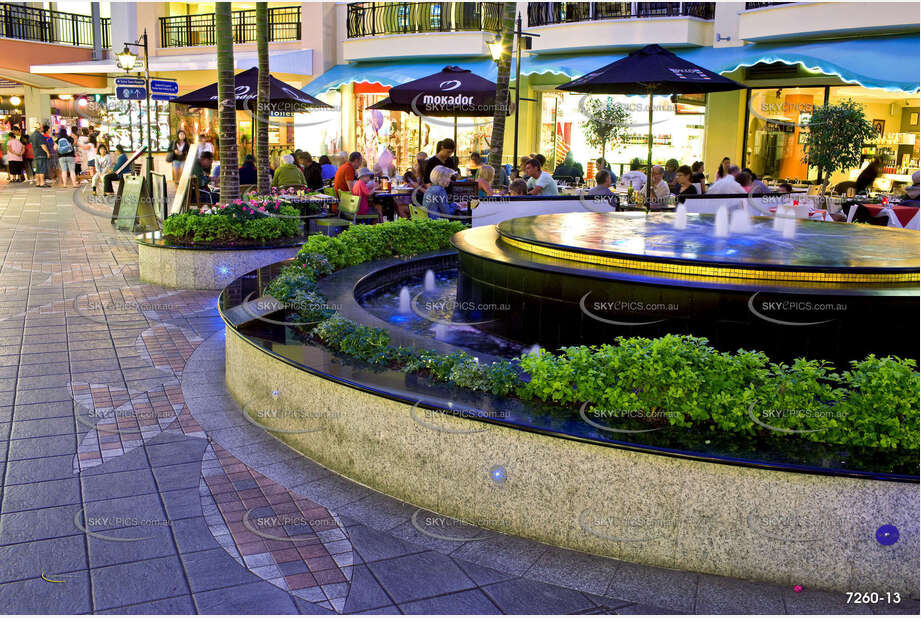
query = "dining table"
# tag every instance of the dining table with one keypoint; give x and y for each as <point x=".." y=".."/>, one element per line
<point x="903" y="213"/>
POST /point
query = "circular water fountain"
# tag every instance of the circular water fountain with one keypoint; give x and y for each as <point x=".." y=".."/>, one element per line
<point x="794" y="288"/>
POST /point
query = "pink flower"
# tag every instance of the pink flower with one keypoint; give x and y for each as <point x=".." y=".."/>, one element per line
<point x="797" y="588"/>
<point x="238" y="202"/>
<point x="262" y="209"/>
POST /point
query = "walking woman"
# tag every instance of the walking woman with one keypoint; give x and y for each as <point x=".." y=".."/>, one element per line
<point x="66" y="159"/>
<point x="14" y="152"/>
<point x="179" y="149"/>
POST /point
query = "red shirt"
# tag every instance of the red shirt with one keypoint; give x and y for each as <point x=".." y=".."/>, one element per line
<point x="344" y="175"/>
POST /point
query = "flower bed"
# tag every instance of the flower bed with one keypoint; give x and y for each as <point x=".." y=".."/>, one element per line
<point x="677" y="380"/>
<point x="239" y="223"/>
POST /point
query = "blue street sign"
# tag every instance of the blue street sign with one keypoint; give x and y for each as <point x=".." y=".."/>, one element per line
<point x="129" y="81"/>
<point x="159" y="96"/>
<point x="164" y="86"/>
<point x="131" y="93"/>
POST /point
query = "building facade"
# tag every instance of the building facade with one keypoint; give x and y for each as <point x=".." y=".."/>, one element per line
<point x="790" y="56"/>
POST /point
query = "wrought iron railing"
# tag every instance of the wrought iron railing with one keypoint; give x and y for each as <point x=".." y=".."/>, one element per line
<point x="375" y="18"/>
<point x="546" y="13"/>
<point x="760" y="5"/>
<point x="198" y="30"/>
<point x="32" y="24"/>
<point x="106" y="28"/>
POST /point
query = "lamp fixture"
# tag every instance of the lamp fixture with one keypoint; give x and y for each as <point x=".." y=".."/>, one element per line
<point x="126" y="60"/>
<point x="14" y="100"/>
<point x="496" y="48"/>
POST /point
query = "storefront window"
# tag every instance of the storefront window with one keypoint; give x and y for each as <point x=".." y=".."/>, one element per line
<point x="776" y="131"/>
<point x="125" y="123"/>
<point x="319" y="132"/>
<point x="677" y="131"/>
<point x="895" y="116"/>
<point x="403" y="135"/>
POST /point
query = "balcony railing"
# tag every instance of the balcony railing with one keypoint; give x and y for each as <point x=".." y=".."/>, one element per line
<point x="374" y="18"/>
<point x="198" y="30"/>
<point x="546" y="13"/>
<point x="760" y="5"/>
<point x="106" y="23"/>
<point x="32" y="24"/>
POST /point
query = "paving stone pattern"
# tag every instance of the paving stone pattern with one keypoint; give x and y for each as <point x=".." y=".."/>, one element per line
<point x="132" y="484"/>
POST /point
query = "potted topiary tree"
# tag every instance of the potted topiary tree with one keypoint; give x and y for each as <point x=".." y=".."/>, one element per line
<point x="606" y="122"/>
<point x="836" y="134"/>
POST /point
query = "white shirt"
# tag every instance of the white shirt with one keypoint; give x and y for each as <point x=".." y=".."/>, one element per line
<point x="546" y="183"/>
<point x="206" y="147"/>
<point x="726" y="185"/>
<point x="635" y="178"/>
<point x="659" y="192"/>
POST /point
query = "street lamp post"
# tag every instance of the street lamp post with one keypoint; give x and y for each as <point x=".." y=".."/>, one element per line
<point x="127" y="60"/>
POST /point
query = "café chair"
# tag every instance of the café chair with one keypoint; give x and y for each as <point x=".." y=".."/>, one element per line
<point x="348" y="209"/>
<point x="327" y="224"/>
<point x="417" y="212"/>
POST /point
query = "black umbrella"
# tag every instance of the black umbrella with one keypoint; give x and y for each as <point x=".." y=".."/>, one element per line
<point x="282" y="97"/>
<point x="651" y="70"/>
<point x="452" y="92"/>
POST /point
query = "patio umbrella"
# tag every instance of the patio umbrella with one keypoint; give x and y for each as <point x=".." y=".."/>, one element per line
<point x="651" y="70"/>
<point x="452" y="92"/>
<point x="282" y="97"/>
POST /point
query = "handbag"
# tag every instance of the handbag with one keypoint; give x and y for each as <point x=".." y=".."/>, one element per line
<point x="172" y="154"/>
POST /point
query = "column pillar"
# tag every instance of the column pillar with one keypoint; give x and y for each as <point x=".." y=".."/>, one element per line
<point x="37" y="106"/>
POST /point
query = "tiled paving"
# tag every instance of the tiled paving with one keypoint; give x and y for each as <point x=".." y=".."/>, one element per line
<point x="132" y="483"/>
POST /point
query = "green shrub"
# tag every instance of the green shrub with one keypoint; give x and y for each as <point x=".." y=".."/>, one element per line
<point x="363" y="243"/>
<point x="194" y="227"/>
<point x="680" y="379"/>
<point x="881" y="403"/>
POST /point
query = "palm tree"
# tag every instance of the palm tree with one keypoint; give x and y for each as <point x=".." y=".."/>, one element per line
<point x="227" y="103"/>
<point x="262" y="102"/>
<point x="505" y="66"/>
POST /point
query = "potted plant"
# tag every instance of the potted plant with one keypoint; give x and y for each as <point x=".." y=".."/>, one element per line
<point x="835" y="136"/>
<point x="606" y="122"/>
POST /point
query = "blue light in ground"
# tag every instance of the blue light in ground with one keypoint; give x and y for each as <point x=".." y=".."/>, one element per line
<point x="497" y="474"/>
<point x="398" y="319"/>
<point x="222" y="270"/>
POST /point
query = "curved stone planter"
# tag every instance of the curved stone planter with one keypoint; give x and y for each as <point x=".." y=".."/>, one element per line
<point x="203" y="268"/>
<point x="784" y="527"/>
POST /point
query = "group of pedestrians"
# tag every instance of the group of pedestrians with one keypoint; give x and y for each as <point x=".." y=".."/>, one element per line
<point x="45" y="156"/>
